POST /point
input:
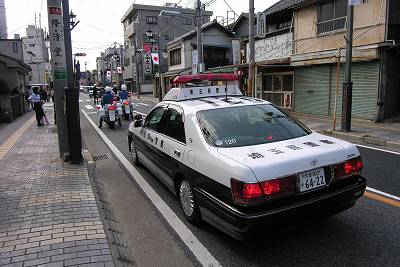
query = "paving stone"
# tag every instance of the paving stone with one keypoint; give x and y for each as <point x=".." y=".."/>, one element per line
<point x="49" y="215"/>
<point x="101" y="258"/>
<point x="64" y="256"/>
<point x="77" y="261"/>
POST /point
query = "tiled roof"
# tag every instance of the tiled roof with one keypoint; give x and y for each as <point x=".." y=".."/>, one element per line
<point x="283" y="4"/>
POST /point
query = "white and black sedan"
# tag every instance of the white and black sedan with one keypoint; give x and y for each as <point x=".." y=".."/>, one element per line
<point x="240" y="163"/>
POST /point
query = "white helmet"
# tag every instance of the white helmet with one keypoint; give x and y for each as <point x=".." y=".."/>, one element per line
<point x="108" y="89"/>
<point x="123" y="87"/>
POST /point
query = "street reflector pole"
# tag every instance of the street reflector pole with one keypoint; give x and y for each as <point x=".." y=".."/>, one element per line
<point x="250" y="82"/>
<point x="72" y="94"/>
<point x="348" y="84"/>
<point x="58" y="62"/>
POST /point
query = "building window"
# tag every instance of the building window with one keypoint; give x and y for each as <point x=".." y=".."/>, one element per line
<point x="187" y="21"/>
<point x="167" y="20"/>
<point x="214" y="57"/>
<point x="30" y="37"/>
<point x="166" y="37"/>
<point x="31" y="45"/>
<point x="332" y="16"/>
<point x="278" y="89"/>
<point x="175" y="57"/>
<point x="151" y="19"/>
<point x="15" y="48"/>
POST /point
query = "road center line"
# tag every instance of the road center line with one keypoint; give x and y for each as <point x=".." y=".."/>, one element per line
<point x="380" y="149"/>
<point x="198" y="249"/>
<point x="382" y="199"/>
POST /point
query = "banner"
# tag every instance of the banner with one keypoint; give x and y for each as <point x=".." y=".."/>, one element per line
<point x="147" y="64"/>
<point x="236" y="51"/>
<point x="195" y="61"/>
<point x="56" y="35"/>
<point x="156" y="60"/>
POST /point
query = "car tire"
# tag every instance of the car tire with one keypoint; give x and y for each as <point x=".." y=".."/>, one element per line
<point x="111" y="124"/>
<point x="133" y="152"/>
<point x="126" y="116"/>
<point x="188" y="202"/>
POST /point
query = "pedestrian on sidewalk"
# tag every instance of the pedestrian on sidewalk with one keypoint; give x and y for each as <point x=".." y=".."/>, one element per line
<point x="37" y="106"/>
<point x="44" y="118"/>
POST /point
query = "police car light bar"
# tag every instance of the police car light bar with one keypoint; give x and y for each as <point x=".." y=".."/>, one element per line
<point x="195" y="78"/>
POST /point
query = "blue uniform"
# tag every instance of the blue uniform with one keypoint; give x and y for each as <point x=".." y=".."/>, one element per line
<point x="107" y="99"/>
<point x="123" y="95"/>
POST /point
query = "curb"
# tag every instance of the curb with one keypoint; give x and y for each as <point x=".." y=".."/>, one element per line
<point x="363" y="139"/>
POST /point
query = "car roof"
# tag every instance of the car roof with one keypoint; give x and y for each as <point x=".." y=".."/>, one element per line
<point x="209" y="103"/>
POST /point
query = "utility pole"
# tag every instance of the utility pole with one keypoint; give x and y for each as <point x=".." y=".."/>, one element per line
<point x="250" y="83"/>
<point x="72" y="94"/>
<point x="199" y="40"/>
<point x="58" y="61"/>
<point x="348" y="84"/>
<point x="137" y="56"/>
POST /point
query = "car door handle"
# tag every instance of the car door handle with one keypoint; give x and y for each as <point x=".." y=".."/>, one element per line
<point x="177" y="153"/>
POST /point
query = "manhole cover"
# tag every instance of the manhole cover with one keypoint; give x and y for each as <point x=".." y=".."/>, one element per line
<point x="100" y="157"/>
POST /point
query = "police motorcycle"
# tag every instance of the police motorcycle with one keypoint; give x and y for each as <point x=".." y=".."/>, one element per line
<point x="127" y="107"/>
<point x="110" y="114"/>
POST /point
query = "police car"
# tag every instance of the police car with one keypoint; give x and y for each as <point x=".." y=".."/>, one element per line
<point x="240" y="163"/>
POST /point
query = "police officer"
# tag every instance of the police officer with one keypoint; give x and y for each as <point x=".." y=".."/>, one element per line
<point x="106" y="99"/>
<point x="123" y="94"/>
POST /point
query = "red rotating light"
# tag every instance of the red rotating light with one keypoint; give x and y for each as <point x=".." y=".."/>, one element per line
<point x="206" y="77"/>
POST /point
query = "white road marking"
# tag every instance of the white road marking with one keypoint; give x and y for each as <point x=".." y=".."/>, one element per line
<point x="380" y="149"/>
<point x="89" y="106"/>
<point x="142" y="104"/>
<point x="93" y="112"/>
<point x="383" y="194"/>
<point x="199" y="251"/>
<point x="140" y="113"/>
<point x="88" y="100"/>
<point x="80" y="100"/>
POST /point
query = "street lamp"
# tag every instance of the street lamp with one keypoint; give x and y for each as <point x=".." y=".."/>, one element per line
<point x="72" y="20"/>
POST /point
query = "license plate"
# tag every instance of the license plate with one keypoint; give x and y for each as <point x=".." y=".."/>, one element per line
<point x="311" y="179"/>
<point x="111" y="115"/>
<point x="127" y="109"/>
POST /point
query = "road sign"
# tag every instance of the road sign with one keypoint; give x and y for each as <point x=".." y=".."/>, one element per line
<point x="60" y="74"/>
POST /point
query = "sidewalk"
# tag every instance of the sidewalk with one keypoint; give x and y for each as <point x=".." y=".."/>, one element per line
<point x="49" y="215"/>
<point x="386" y="134"/>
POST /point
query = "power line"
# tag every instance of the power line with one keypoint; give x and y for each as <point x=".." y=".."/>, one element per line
<point x="102" y="30"/>
<point x="226" y="3"/>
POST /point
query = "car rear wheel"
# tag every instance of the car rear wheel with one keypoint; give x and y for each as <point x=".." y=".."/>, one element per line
<point x="189" y="205"/>
<point x="133" y="151"/>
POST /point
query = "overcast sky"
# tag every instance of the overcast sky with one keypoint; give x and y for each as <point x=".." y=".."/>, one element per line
<point x="100" y="23"/>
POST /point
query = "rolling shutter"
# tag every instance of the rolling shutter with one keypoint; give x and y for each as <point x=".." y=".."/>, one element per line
<point x="365" y="77"/>
<point x="312" y="89"/>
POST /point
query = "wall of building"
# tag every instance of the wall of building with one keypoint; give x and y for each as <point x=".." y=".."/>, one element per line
<point x="369" y="25"/>
<point x="11" y="48"/>
<point x="3" y="20"/>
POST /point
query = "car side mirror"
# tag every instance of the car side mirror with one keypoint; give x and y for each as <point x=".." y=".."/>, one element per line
<point x="137" y="123"/>
<point x="138" y="117"/>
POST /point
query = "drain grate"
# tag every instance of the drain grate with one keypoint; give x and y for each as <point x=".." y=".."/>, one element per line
<point x="100" y="157"/>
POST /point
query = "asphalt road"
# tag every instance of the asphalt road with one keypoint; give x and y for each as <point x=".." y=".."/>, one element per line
<point x="367" y="234"/>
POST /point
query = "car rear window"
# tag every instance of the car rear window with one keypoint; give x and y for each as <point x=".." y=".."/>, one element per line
<point x="248" y="125"/>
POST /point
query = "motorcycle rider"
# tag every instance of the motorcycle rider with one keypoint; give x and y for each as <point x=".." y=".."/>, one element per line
<point x="123" y="94"/>
<point x="106" y="99"/>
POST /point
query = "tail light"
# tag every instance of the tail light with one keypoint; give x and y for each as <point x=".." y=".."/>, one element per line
<point x="125" y="103"/>
<point x="348" y="168"/>
<point x="111" y="108"/>
<point x="97" y="107"/>
<point x="251" y="193"/>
